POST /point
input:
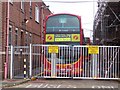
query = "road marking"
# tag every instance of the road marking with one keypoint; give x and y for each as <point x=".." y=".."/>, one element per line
<point x="102" y="87"/>
<point x="98" y="86"/>
<point x="58" y="86"/>
<point x="71" y="86"/>
<point x="45" y="86"/>
<point x="35" y="86"/>
<point x="28" y="86"/>
<point x="40" y="85"/>
<point x="112" y="87"/>
<point x="51" y="86"/>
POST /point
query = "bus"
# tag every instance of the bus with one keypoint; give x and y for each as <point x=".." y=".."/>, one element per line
<point x="87" y="41"/>
<point x="63" y="29"/>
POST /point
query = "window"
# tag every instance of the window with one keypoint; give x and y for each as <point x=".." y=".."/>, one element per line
<point x="63" y="23"/>
<point x="22" y="38"/>
<point x="30" y="9"/>
<point x="10" y="35"/>
<point x="22" y="5"/>
<point x="30" y="2"/>
<point x="16" y="36"/>
<point x="37" y="14"/>
<point x="26" y="39"/>
<point x="11" y="1"/>
<point x="30" y="38"/>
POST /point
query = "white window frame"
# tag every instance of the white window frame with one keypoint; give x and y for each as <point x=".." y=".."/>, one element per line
<point x="22" y="5"/>
<point x="30" y="9"/>
<point x="37" y="14"/>
<point x="26" y="39"/>
<point x="16" y="36"/>
<point x="22" y="41"/>
<point x="10" y="35"/>
<point x="11" y="1"/>
<point x="30" y="3"/>
<point x="30" y="38"/>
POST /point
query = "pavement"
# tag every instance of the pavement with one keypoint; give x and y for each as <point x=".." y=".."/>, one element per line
<point x="12" y="82"/>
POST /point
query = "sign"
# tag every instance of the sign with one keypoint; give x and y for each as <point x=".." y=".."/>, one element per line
<point x="53" y="49"/>
<point x="62" y="37"/>
<point x="93" y="50"/>
<point x="75" y="37"/>
<point x="49" y="37"/>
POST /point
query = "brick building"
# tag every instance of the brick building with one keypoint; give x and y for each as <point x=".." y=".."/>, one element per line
<point x="107" y="23"/>
<point x="25" y="25"/>
<point x="0" y="39"/>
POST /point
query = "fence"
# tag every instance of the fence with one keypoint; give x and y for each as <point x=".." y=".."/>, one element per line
<point x="65" y="61"/>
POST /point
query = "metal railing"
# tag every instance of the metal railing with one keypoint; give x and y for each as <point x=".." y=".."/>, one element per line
<point x="65" y="61"/>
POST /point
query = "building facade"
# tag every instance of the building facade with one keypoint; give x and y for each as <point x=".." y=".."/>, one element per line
<point x="107" y="23"/>
<point x="1" y="40"/>
<point x="21" y="25"/>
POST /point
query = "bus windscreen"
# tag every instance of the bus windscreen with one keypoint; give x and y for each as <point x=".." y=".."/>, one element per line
<point x="63" y="24"/>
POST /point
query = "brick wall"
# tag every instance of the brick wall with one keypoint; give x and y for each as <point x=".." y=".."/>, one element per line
<point x="0" y="40"/>
<point x="29" y="32"/>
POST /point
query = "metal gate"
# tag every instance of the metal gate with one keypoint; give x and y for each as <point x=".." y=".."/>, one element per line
<point x="19" y="62"/>
<point x="66" y="61"/>
<point x="59" y="61"/>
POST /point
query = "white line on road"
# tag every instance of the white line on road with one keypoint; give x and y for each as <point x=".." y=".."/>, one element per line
<point x="45" y="86"/>
<point x="51" y="86"/>
<point x="40" y="85"/>
<point x="28" y="86"/>
<point x="58" y="86"/>
<point x="102" y="87"/>
<point x="71" y="86"/>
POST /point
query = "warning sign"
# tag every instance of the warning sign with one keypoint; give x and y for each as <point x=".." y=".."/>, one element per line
<point x="75" y="37"/>
<point x="93" y="50"/>
<point x="53" y="49"/>
<point x="49" y="37"/>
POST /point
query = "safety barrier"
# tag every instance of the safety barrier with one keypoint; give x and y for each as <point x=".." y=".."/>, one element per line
<point x="65" y="61"/>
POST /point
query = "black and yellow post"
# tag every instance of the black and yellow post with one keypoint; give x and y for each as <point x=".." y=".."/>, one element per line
<point x="25" y="70"/>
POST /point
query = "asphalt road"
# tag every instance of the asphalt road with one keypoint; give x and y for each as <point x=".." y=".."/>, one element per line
<point x="69" y="83"/>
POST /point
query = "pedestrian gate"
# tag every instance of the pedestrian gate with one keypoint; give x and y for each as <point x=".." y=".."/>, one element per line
<point x="65" y="61"/>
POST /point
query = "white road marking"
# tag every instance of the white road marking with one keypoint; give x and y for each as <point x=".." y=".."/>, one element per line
<point x="112" y="87"/>
<point x="98" y="86"/>
<point x="71" y="86"/>
<point x="52" y="86"/>
<point x="28" y="86"/>
<point x="40" y="85"/>
<point x="102" y="87"/>
<point x="34" y="86"/>
<point x="58" y="86"/>
<point x="46" y="86"/>
<point x="74" y="87"/>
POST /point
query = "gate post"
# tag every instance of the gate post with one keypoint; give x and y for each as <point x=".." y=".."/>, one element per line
<point x="53" y="64"/>
<point x="94" y="71"/>
<point x="30" y="67"/>
<point x="11" y="63"/>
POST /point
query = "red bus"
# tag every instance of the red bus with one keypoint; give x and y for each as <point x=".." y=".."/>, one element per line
<point x="87" y="41"/>
<point x="63" y="29"/>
